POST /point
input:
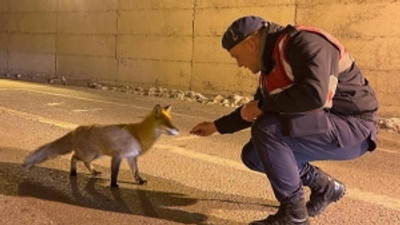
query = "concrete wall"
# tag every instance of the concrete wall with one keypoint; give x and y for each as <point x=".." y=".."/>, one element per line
<point x="176" y="43"/>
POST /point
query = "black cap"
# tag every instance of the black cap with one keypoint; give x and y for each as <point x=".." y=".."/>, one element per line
<point x="240" y="29"/>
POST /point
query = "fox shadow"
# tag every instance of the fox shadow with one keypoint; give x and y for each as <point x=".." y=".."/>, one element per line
<point x="155" y="199"/>
<point x="148" y="203"/>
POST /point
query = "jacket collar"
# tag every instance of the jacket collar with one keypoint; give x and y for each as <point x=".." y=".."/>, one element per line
<point x="268" y="41"/>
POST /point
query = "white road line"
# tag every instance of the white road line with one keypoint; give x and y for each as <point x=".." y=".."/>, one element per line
<point x="54" y="103"/>
<point x="388" y="151"/>
<point x="37" y="118"/>
<point x="375" y="199"/>
<point x="372" y="198"/>
<point x="205" y="157"/>
<point x="354" y="193"/>
<point x="83" y="98"/>
<point x="94" y="100"/>
<point x="86" y="110"/>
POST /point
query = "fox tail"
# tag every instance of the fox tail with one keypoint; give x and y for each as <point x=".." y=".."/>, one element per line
<point x="58" y="147"/>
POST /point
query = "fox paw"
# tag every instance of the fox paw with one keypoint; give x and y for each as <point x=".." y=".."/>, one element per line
<point x="141" y="181"/>
<point x="114" y="185"/>
<point x="96" y="173"/>
<point x="73" y="173"/>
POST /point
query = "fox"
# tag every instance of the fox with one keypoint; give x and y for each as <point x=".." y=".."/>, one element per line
<point x="90" y="142"/>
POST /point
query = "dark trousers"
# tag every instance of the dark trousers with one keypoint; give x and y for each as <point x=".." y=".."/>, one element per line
<point x="285" y="159"/>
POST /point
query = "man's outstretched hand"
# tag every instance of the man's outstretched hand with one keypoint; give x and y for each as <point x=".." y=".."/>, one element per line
<point x="204" y="129"/>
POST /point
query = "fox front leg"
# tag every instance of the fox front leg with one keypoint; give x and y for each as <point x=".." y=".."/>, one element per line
<point x="115" y="164"/>
<point x="74" y="160"/>
<point x="132" y="161"/>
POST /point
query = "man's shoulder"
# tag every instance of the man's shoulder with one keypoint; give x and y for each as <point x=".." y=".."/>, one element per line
<point x="305" y="41"/>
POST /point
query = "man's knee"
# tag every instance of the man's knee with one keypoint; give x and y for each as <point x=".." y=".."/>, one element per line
<point x="247" y="154"/>
<point x="250" y="158"/>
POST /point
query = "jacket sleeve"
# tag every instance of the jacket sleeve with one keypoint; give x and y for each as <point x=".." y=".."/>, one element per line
<point x="312" y="59"/>
<point x="233" y="122"/>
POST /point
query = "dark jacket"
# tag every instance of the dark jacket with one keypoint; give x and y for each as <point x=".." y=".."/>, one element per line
<point x="312" y="59"/>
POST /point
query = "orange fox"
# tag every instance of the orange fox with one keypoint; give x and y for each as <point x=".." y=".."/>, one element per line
<point x="118" y="141"/>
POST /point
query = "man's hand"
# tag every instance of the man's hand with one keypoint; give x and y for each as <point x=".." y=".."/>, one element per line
<point x="250" y="111"/>
<point x="204" y="129"/>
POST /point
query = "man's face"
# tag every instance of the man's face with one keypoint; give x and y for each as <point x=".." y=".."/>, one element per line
<point x="246" y="54"/>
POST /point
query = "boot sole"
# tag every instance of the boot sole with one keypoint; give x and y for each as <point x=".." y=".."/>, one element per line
<point x="340" y="195"/>
<point x="335" y="198"/>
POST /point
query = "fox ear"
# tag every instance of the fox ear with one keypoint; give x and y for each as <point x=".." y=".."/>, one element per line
<point x="168" y="108"/>
<point x="157" y="109"/>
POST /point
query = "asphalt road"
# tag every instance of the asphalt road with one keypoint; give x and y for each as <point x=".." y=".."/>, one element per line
<point x="191" y="180"/>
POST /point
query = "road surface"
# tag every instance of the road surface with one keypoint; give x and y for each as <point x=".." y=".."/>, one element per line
<point x="191" y="180"/>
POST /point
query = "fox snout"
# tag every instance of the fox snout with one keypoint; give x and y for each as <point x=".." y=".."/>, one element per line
<point x="172" y="131"/>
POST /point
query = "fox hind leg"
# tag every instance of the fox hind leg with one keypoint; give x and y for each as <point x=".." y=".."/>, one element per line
<point x="91" y="169"/>
<point x="115" y="164"/>
<point x="135" y="170"/>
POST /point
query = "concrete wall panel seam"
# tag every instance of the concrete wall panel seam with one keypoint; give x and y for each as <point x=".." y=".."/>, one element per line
<point x="193" y="44"/>
<point x="178" y="43"/>
<point x="56" y="72"/>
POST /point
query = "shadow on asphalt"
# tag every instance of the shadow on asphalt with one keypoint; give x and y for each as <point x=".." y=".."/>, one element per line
<point x="160" y="198"/>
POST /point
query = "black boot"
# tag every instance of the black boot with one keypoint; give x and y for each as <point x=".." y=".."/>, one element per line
<point x="288" y="214"/>
<point x="324" y="190"/>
